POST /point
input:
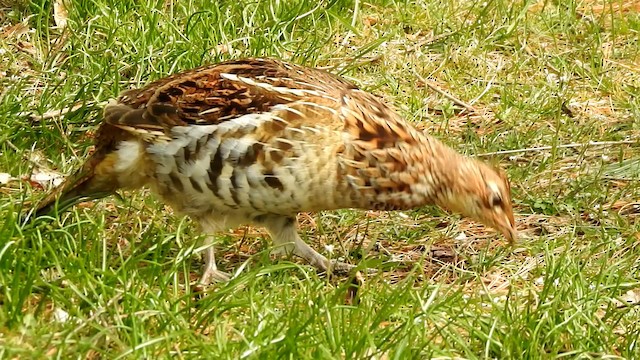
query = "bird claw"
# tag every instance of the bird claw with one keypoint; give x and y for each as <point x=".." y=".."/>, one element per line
<point x="344" y="269"/>
<point x="210" y="276"/>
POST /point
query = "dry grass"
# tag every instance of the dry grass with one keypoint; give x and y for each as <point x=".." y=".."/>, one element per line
<point x="532" y="84"/>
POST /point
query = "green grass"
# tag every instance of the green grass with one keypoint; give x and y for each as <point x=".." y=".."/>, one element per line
<point x="540" y="74"/>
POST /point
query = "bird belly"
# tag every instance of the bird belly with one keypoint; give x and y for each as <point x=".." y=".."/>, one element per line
<point x="201" y="172"/>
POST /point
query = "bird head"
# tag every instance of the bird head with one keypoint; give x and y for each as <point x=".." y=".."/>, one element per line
<point x="482" y="193"/>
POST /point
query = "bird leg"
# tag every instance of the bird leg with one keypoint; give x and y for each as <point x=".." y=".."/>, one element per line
<point x="211" y="272"/>
<point x="285" y="236"/>
<point x="211" y="225"/>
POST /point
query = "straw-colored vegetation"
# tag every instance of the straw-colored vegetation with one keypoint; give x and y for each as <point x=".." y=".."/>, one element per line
<point x="548" y="89"/>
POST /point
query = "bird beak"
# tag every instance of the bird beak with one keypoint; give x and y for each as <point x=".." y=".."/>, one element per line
<point x="508" y="228"/>
<point x="504" y="223"/>
<point x="511" y="234"/>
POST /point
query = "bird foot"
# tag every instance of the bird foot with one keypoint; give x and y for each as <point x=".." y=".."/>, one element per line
<point x="340" y="268"/>
<point x="343" y="269"/>
<point x="210" y="276"/>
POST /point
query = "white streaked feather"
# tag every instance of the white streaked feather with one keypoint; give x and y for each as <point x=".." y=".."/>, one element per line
<point x="233" y="149"/>
<point x="224" y="183"/>
<point x="296" y="130"/>
<point x="209" y="111"/>
<point x="312" y="104"/>
<point x="247" y="122"/>
<point x="282" y="107"/>
<point x="315" y="130"/>
<point x="129" y="153"/>
<point x="267" y="86"/>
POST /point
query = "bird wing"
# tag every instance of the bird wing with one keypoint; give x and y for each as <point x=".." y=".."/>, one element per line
<point x="273" y="111"/>
<point x="214" y="94"/>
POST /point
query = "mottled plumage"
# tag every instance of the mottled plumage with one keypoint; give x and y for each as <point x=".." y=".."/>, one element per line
<point x="259" y="140"/>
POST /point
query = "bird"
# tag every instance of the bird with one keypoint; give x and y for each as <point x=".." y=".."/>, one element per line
<point x="259" y="140"/>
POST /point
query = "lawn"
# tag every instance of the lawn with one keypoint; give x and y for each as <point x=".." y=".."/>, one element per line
<point x="548" y="89"/>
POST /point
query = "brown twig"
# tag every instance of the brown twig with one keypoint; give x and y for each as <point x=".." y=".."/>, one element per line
<point x="425" y="42"/>
<point x="59" y="113"/>
<point x="435" y="88"/>
<point x="562" y="146"/>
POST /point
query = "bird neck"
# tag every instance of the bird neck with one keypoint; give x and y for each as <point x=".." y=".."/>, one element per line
<point x="441" y="174"/>
<point x="429" y="173"/>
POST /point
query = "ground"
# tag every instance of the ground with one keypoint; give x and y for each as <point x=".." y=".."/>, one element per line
<point x="548" y="90"/>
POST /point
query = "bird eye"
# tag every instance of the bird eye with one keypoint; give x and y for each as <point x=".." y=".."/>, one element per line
<point x="496" y="200"/>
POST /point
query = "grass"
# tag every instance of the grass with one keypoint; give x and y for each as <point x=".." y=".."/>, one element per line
<point x="107" y="280"/>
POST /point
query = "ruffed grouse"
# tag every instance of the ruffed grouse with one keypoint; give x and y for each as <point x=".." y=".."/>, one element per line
<point x="259" y="140"/>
